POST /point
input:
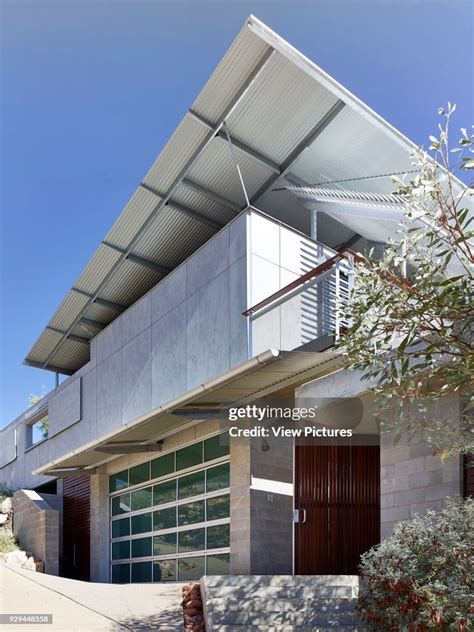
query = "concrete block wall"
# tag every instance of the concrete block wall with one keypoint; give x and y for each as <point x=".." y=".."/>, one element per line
<point x="36" y="526"/>
<point x="261" y="524"/>
<point x="412" y="481"/>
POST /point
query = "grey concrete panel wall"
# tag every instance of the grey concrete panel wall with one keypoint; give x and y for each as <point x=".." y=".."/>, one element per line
<point x="109" y="393"/>
<point x="65" y="408"/>
<point x="208" y="336"/>
<point x="110" y="340"/>
<point x="169" y="293"/>
<point x="8" y="446"/>
<point x="169" y="378"/>
<point x="136" y="377"/>
<point x="36" y="526"/>
<point x="237" y="305"/>
<point x="208" y="263"/>
<point x="136" y="319"/>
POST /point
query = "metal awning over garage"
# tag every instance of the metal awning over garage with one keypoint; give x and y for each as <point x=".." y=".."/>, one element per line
<point x="267" y="373"/>
<point x="289" y="122"/>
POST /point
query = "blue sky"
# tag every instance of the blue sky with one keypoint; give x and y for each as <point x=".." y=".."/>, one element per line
<point x="91" y="91"/>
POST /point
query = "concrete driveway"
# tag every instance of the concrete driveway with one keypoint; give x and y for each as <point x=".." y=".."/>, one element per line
<point x="77" y="605"/>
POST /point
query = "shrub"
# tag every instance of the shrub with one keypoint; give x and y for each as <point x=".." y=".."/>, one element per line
<point x="422" y="577"/>
<point x="7" y="541"/>
<point x="5" y="492"/>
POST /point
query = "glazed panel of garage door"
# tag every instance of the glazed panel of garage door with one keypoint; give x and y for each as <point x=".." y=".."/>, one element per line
<point x="337" y="490"/>
<point x="76" y="528"/>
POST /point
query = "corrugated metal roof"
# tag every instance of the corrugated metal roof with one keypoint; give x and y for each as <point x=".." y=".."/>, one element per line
<point x="278" y="106"/>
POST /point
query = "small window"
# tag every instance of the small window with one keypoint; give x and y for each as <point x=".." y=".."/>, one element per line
<point x="120" y="504"/>
<point x="37" y="430"/>
<point x="139" y="474"/>
<point x="164" y="519"/>
<point x="164" y="571"/>
<point x="118" y="481"/>
<point x="120" y="528"/>
<point x="215" y="447"/>
<point x="121" y="550"/>
<point x="121" y="573"/>
<point x="162" y="466"/>
<point x="190" y="513"/>
<point x="218" y="507"/>
<point x="141" y="499"/>
<point x="190" y="456"/>
<point x="141" y="523"/>
<point x="218" y="537"/>
<point x="191" y="568"/>
<point x="141" y="547"/>
<point x="191" y="485"/>
<point x="164" y="493"/>
<point x="164" y="544"/>
<point x="141" y="572"/>
<point x="191" y="540"/>
<point x="218" y="477"/>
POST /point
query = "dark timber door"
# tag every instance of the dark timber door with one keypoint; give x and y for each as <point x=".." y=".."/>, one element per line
<point x="76" y="528"/>
<point x="337" y="492"/>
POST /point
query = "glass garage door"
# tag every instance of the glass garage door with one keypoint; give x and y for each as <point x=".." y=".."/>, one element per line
<point x="170" y="516"/>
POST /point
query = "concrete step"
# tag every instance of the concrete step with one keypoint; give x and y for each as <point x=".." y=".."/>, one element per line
<point x="282" y="580"/>
<point x="283" y="592"/>
<point x="288" y="628"/>
<point x="304" y="618"/>
<point x="264" y="604"/>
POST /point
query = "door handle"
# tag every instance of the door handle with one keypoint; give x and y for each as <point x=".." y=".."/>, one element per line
<point x="299" y="516"/>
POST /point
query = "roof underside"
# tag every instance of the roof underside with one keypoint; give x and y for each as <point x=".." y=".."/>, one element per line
<point x="288" y="120"/>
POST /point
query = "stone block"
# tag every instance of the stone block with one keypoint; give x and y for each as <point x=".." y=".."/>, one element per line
<point x="412" y="466"/>
<point x="395" y="484"/>
<point x="425" y="479"/>
<point x="395" y="514"/>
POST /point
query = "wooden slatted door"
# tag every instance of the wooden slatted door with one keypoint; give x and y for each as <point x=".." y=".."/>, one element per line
<point x="76" y="528"/>
<point x="337" y="493"/>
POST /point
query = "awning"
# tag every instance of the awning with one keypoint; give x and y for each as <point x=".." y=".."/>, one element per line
<point x="267" y="373"/>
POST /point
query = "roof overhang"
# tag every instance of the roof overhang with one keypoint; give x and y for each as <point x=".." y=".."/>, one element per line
<point x="288" y="121"/>
<point x="267" y="373"/>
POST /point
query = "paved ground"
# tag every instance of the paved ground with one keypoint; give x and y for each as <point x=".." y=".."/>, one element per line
<point x="84" y="606"/>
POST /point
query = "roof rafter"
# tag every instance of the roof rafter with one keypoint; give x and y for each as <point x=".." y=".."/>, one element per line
<point x="211" y="195"/>
<point x="116" y="307"/>
<point x="141" y="261"/>
<point x="184" y="209"/>
<point x="84" y="341"/>
<point x="242" y="146"/>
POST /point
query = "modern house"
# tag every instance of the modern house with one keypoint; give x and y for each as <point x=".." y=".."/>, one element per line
<point x="220" y="286"/>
